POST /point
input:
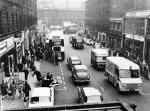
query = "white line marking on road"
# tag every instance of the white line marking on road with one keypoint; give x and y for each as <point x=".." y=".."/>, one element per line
<point x="65" y="88"/>
<point x="102" y="88"/>
<point x="146" y="94"/>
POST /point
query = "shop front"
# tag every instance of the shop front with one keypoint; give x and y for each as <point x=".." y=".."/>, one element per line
<point x="114" y="41"/>
<point x="26" y="39"/>
<point x="148" y="50"/>
<point x="7" y="57"/>
<point x="102" y="38"/>
<point x="134" y="45"/>
<point x="19" y="51"/>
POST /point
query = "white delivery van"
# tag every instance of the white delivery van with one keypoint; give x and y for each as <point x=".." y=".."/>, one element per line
<point x="123" y="73"/>
<point x="98" y="58"/>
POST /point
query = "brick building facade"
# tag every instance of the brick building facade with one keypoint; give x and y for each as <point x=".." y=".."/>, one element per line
<point x="58" y="16"/>
<point x="97" y="14"/>
<point x="17" y="26"/>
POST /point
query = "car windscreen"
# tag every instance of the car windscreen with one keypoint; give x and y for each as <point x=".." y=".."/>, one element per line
<point x="93" y="99"/>
<point x="134" y="73"/>
<point x="100" y="58"/>
<point x="81" y="70"/>
<point x="75" y="62"/>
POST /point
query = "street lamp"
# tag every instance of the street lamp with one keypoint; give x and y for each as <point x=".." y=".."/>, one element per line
<point x="133" y="26"/>
<point x="144" y="45"/>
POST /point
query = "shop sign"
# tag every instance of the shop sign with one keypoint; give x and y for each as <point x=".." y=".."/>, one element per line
<point x="6" y="45"/>
<point x="136" y="37"/>
<point x="23" y="35"/>
<point x="17" y="39"/>
<point x="3" y="48"/>
<point x="10" y="43"/>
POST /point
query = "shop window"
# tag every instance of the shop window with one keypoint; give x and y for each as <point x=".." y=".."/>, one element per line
<point x="7" y="17"/>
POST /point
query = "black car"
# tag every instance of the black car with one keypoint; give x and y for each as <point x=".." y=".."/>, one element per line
<point x="71" y="37"/>
<point x="73" y="60"/>
<point x="80" y="74"/>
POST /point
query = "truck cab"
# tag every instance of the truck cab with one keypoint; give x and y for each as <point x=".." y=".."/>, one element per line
<point x="98" y="58"/>
<point x="77" y="42"/>
<point x="123" y="73"/>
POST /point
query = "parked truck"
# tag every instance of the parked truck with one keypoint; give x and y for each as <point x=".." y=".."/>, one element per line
<point x="98" y="58"/>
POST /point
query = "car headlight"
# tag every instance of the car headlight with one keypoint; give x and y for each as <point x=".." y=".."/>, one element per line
<point x="88" y="77"/>
<point x="139" y="85"/>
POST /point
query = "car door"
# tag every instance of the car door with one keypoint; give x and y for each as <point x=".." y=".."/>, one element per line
<point x="80" y="95"/>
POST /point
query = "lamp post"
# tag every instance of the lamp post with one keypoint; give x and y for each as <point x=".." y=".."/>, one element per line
<point x="133" y="26"/>
<point x="144" y="45"/>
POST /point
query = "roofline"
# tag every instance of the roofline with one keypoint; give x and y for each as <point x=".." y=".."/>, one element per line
<point x="135" y="12"/>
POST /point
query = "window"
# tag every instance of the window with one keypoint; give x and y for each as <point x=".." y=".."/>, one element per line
<point x="104" y="58"/>
<point x="134" y="74"/>
<point x="76" y="62"/>
<point x="12" y="22"/>
<point x="7" y="17"/>
<point x="82" y="70"/>
<point x="117" y="71"/>
<point x="1" y="23"/>
<point x="125" y="74"/>
<point x="34" y="99"/>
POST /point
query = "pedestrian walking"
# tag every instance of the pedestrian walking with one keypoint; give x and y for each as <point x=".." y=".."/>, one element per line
<point x="26" y="73"/>
<point x="26" y="90"/>
<point x="32" y="54"/>
<point x="13" y="89"/>
<point x="28" y="63"/>
<point x="20" y="67"/>
<point x="38" y="75"/>
<point x="26" y="53"/>
<point x="56" y="58"/>
<point x="24" y="60"/>
<point x="20" y="90"/>
<point x="4" y="89"/>
<point x="147" y="72"/>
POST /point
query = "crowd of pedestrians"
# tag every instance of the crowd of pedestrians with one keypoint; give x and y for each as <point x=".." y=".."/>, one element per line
<point x="15" y="84"/>
<point x="134" y="56"/>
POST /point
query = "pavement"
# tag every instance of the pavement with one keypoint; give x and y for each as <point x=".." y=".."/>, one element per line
<point x="9" y="103"/>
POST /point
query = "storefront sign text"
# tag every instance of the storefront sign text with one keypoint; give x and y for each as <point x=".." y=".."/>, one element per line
<point x="3" y="48"/>
<point x="135" y="37"/>
<point x="6" y="45"/>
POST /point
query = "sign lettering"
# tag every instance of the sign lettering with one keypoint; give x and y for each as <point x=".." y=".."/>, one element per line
<point x="3" y="48"/>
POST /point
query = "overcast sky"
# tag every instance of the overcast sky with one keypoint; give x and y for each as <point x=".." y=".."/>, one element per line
<point x="64" y="3"/>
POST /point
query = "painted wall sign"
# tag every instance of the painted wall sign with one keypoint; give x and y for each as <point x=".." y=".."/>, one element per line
<point x="3" y="48"/>
<point x="6" y="45"/>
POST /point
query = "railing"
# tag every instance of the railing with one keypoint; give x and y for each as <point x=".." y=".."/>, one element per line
<point x="78" y="107"/>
